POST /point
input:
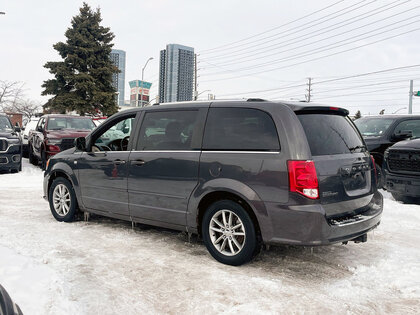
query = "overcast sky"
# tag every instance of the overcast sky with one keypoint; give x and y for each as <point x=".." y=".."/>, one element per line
<point x="288" y="41"/>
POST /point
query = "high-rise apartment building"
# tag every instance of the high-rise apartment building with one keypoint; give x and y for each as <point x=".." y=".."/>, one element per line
<point x="118" y="79"/>
<point x="176" y="73"/>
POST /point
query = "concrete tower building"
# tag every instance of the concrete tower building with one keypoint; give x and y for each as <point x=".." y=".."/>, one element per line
<point x="118" y="79"/>
<point x="176" y="73"/>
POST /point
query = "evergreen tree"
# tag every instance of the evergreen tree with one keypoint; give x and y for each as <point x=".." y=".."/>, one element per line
<point x="357" y="115"/>
<point x="83" y="80"/>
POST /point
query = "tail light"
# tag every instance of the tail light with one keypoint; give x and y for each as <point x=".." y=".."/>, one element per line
<point x="53" y="148"/>
<point x="374" y="168"/>
<point x="303" y="178"/>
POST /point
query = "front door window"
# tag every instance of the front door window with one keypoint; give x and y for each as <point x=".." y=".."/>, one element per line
<point x="116" y="137"/>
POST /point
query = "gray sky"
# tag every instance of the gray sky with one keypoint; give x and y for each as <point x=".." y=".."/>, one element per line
<point x="279" y="60"/>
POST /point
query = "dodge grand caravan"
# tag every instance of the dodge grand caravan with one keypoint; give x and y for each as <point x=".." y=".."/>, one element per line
<point x="238" y="173"/>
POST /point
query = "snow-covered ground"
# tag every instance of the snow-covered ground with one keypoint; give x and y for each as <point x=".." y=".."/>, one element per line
<point x="104" y="267"/>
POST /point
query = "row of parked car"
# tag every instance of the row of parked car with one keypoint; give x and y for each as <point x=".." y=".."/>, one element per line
<point x="393" y="142"/>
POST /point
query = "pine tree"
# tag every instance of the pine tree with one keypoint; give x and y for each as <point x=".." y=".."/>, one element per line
<point x="357" y="115"/>
<point x="83" y="80"/>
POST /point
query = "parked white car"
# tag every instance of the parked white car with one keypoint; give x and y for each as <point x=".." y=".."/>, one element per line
<point x="31" y="125"/>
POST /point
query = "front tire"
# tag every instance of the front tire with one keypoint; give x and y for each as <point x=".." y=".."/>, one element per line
<point x="229" y="233"/>
<point x="32" y="158"/>
<point x="43" y="160"/>
<point x="404" y="199"/>
<point x="62" y="200"/>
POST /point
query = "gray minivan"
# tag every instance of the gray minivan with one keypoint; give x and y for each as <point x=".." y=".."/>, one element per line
<point x="238" y="173"/>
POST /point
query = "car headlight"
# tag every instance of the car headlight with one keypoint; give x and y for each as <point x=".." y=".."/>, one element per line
<point x="386" y="153"/>
<point x="53" y="141"/>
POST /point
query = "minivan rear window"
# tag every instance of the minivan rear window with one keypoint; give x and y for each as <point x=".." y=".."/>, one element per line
<point x="240" y="129"/>
<point x="330" y="134"/>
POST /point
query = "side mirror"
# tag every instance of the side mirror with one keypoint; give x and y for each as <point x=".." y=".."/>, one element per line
<point x="80" y="143"/>
<point x="39" y="128"/>
<point x="17" y="127"/>
<point x="403" y="134"/>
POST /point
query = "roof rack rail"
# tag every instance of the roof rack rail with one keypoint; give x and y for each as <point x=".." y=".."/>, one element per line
<point x="255" y="100"/>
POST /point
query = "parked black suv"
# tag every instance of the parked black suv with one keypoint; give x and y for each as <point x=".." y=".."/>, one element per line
<point x="10" y="146"/>
<point x="237" y="173"/>
<point x="382" y="131"/>
<point x="402" y="170"/>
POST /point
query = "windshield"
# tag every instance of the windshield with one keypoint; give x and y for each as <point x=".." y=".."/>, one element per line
<point x="5" y="123"/>
<point x="373" y="127"/>
<point x="58" y="123"/>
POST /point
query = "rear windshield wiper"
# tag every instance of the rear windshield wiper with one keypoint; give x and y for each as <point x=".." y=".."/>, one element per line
<point x="361" y="147"/>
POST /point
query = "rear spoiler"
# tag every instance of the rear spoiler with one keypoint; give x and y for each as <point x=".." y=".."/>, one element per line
<point x="323" y="109"/>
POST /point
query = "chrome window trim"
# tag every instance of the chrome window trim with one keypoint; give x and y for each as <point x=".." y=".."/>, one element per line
<point x="202" y="151"/>
<point x="253" y="152"/>
<point x="166" y="151"/>
<point x="190" y="151"/>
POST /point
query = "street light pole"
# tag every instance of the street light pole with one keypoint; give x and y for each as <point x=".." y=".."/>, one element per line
<point x="410" y="98"/>
<point x="399" y="110"/>
<point x="196" y="96"/>
<point x="142" y="78"/>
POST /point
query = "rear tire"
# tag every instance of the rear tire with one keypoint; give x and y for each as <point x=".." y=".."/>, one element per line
<point x="229" y="233"/>
<point x="43" y="160"/>
<point x="62" y="199"/>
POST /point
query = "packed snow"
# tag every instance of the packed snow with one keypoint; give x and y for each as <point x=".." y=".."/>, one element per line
<point x="105" y="267"/>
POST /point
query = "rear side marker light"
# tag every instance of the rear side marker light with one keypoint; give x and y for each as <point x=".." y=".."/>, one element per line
<point x="303" y="178"/>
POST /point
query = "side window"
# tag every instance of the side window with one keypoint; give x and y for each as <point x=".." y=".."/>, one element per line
<point x="241" y="129"/>
<point x="41" y="124"/>
<point x="116" y="136"/>
<point x="170" y="130"/>
<point x="408" y="125"/>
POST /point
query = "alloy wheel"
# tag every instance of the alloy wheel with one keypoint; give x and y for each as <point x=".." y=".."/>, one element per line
<point x="227" y="232"/>
<point x="61" y="200"/>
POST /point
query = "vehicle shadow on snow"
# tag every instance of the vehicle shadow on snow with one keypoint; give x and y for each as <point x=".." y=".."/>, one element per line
<point x="294" y="262"/>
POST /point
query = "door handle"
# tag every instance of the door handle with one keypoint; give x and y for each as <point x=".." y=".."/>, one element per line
<point x="138" y="162"/>
<point x="119" y="162"/>
<point x="97" y="154"/>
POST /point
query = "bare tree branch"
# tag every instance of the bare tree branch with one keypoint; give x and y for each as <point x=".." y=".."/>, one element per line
<point x="12" y="100"/>
<point x="10" y="93"/>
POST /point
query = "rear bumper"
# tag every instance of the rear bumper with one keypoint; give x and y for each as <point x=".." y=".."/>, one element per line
<point x="308" y="224"/>
<point x="402" y="184"/>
